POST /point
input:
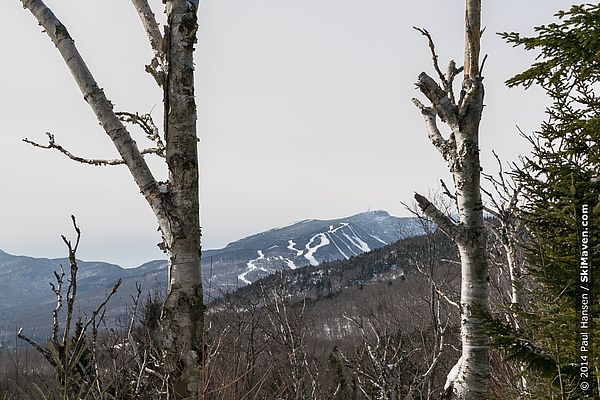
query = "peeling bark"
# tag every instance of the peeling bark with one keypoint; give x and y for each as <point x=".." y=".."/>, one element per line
<point x="183" y="312"/>
<point x="156" y="68"/>
<point x="461" y="152"/>
<point x="176" y="208"/>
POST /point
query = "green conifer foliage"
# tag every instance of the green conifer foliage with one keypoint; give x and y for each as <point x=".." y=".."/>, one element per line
<point x="559" y="179"/>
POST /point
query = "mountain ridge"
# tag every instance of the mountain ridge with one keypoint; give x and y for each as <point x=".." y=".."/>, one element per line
<point x="26" y="298"/>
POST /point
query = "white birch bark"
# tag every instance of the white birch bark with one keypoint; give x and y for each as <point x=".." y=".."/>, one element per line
<point x="183" y="312"/>
<point x="177" y="208"/>
<point x="461" y="152"/>
<point x="157" y="67"/>
<point x="97" y="100"/>
<point x="507" y="234"/>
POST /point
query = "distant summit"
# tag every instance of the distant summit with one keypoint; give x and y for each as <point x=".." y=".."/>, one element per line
<point x="307" y="242"/>
<point x="26" y="298"/>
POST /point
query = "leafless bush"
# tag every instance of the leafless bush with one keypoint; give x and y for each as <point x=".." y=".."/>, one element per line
<point x="391" y="342"/>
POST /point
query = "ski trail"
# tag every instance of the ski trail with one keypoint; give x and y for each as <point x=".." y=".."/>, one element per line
<point x="288" y="262"/>
<point x="312" y="250"/>
<point x="331" y="235"/>
<point x="250" y="267"/>
<point x="378" y="239"/>
<point x="291" y="246"/>
<point x="343" y="225"/>
<point x="357" y="241"/>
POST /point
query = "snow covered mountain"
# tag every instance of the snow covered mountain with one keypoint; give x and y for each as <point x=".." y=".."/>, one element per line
<point x="308" y="242"/>
<point x="26" y="299"/>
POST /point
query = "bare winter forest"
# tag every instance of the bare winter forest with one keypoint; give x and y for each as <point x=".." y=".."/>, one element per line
<point x="490" y="297"/>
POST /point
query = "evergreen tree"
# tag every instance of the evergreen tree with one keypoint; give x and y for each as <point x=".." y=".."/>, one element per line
<point x="561" y="188"/>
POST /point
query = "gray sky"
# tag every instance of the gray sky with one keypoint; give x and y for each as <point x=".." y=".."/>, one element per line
<point x="304" y="112"/>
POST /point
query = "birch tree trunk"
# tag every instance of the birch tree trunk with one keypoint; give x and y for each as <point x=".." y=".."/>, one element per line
<point x="183" y="311"/>
<point x="176" y="202"/>
<point x="461" y="152"/>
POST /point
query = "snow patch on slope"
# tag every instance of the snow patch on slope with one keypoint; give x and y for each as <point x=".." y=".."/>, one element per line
<point x="332" y="235"/>
<point x="378" y="239"/>
<point x="362" y="244"/>
<point x="251" y="266"/>
<point x="288" y="262"/>
<point x="292" y="246"/>
<point x="356" y="241"/>
<point x="324" y="241"/>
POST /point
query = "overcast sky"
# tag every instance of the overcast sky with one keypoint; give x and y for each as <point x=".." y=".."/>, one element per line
<point x="304" y="112"/>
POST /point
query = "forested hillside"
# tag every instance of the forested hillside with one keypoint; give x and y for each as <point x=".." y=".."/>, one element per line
<point x="487" y="291"/>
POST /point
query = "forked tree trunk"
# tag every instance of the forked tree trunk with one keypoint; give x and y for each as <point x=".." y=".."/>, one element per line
<point x="461" y="152"/>
<point x="175" y="203"/>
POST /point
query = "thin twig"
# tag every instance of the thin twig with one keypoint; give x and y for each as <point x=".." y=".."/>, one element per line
<point x="447" y="191"/>
<point x="91" y="161"/>
<point x="147" y="124"/>
<point x="434" y="56"/>
<point x="72" y="290"/>
<point x="100" y="308"/>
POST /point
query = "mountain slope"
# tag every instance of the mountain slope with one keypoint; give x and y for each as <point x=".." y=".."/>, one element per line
<point x="308" y="242"/>
<point x="26" y="299"/>
<point x="385" y="265"/>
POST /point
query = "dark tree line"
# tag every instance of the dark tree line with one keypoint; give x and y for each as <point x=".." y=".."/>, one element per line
<point x="386" y="325"/>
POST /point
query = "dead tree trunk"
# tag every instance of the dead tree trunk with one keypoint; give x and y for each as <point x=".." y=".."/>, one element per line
<point x="461" y="151"/>
<point x="175" y="202"/>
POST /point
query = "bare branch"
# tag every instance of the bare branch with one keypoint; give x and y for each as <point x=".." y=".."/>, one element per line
<point x="447" y="191"/>
<point x="97" y="100"/>
<point x="430" y="88"/>
<point x="451" y="73"/>
<point x="157" y="66"/>
<point x="99" y="309"/>
<point x="439" y="98"/>
<point x="445" y="147"/>
<point x="150" y="25"/>
<point x="440" y="219"/>
<point x="72" y="289"/>
<point x="501" y="170"/>
<point x="491" y="211"/>
<point x="439" y="291"/>
<point x="78" y="232"/>
<point x="147" y="124"/>
<point x="447" y="79"/>
<point x="499" y="186"/>
<point x="483" y="63"/>
<point x="45" y="352"/>
<point x="434" y="56"/>
<point x="58" y="293"/>
<point x="91" y="161"/>
<point x="136" y="302"/>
